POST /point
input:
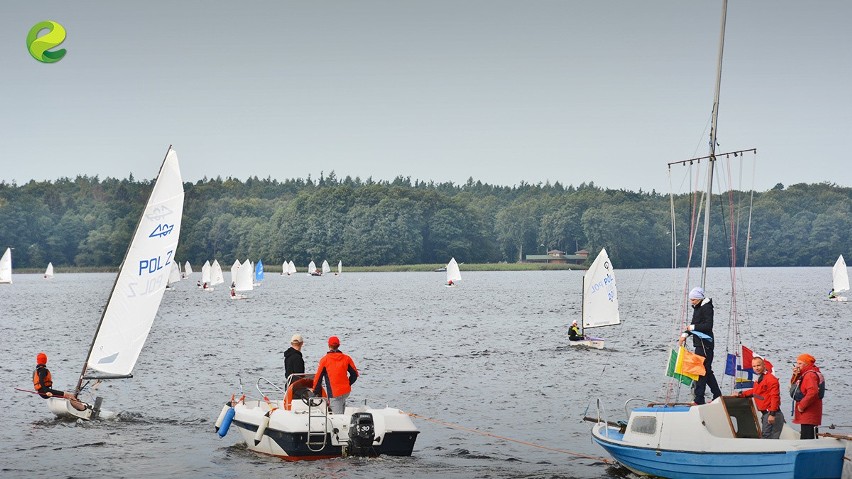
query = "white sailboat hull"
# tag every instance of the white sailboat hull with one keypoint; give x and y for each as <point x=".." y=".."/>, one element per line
<point x="595" y="343"/>
<point x="63" y="409"/>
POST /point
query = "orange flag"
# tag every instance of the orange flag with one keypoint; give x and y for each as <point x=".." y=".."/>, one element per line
<point x="690" y="364"/>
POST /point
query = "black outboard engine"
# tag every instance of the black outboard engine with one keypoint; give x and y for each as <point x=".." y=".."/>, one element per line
<point x="362" y="433"/>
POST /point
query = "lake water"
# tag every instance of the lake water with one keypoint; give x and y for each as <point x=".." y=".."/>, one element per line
<point x="489" y="355"/>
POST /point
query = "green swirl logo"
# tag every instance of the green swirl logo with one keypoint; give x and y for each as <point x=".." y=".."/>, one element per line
<point x="39" y="46"/>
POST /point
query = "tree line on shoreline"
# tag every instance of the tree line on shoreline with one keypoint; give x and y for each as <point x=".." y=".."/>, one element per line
<point x="88" y="222"/>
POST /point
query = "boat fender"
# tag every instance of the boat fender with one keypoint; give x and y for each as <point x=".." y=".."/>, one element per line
<point x="222" y="415"/>
<point x="261" y="428"/>
<point x="226" y="422"/>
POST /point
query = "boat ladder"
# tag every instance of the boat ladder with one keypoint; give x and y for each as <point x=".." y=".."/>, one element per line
<point x="317" y="439"/>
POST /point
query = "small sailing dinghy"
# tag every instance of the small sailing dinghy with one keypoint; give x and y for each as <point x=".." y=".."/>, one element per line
<point x="840" y="280"/>
<point x="137" y="292"/>
<point x="453" y="273"/>
<point x="312" y="269"/>
<point x="187" y="270"/>
<point x="600" y="300"/>
<point x="174" y="275"/>
<point x="6" y="267"/>
<point x="48" y="273"/>
<point x="300" y="426"/>
<point x="325" y="267"/>
<point x="216" y="276"/>
<point x="258" y="273"/>
<point x="244" y="281"/>
<point x="339" y="268"/>
<point x="204" y="285"/>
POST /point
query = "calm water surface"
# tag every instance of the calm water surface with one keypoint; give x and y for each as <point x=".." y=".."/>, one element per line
<point x="489" y="355"/>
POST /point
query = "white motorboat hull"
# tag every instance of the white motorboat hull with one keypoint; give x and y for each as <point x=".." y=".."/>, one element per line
<point x="720" y="440"/>
<point x="294" y="430"/>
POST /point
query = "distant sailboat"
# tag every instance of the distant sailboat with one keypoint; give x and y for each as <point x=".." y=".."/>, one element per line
<point x="205" y="277"/>
<point x="600" y="300"/>
<point x="840" y="280"/>
<point x="6" y="267"/>
<point x="245" y="280"/>
<point x="453" y="273"/>
<point x="325" y="267"/>
<point x="48" y="273"/>
<point x="216" y="276"/>
<point x="340" y="267"/>
<point x="258" y="273"/>
<point x="312" y="269"/>
<point x="187" y="270"/>
<point x="234" y="271"/>
<point x="291" y="267"/>
<point x="135" y="297"/>
<point x="174" y="275"/>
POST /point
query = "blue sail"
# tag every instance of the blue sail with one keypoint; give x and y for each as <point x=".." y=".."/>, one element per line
<point x="258" y="271"/>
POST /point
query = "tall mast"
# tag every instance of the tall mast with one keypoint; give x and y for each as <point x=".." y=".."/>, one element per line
<point x="713" y="132"/>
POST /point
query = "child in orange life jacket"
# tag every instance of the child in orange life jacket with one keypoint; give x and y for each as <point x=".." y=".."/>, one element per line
<point x="43" y="383"/>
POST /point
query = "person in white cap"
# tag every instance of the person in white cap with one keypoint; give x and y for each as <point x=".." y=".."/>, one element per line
<point x="701" y="331"/>
<point x="574" y="333"/>
<point x="293" y="361"/>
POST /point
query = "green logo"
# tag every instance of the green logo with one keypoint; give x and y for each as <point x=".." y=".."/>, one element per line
<point x="39" y="46"/>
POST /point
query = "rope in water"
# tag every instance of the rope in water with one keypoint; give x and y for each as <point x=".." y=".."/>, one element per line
<point x="504" y="438"/>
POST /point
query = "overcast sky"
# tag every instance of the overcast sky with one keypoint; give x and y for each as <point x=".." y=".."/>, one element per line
<point x="501" y="91"/>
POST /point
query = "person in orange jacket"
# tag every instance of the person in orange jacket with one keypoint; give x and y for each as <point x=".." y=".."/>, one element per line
<point x="805" y="388"/>
<point x="43" y="384"/>
<point x="767" y="397"/>
<point x="337" y="372"/>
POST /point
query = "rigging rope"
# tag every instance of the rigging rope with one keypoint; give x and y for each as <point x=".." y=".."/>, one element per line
<point x="526" y="443"/>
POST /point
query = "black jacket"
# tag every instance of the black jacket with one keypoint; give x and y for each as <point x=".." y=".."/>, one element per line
<point x="293" y="362"/>
<point x="702" y="318"/>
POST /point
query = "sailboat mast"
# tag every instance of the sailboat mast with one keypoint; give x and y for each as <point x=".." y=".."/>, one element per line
<point x="713" y="132"/>
<point x="115" y="283"/>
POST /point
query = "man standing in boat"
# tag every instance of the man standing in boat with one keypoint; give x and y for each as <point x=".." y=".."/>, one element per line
<point x="293" y="361"/>
<point x="767" y="397"/>
<point x="337" y="372"/>
<point x="701" y="331"/>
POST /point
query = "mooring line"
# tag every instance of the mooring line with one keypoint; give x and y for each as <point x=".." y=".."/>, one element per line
<point x="531" y="444"/>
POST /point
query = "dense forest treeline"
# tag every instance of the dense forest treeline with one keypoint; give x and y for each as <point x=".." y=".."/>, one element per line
<point x="87" y="221"/>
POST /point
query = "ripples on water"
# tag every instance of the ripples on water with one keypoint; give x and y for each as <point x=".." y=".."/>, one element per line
<point x="490" y="354"/>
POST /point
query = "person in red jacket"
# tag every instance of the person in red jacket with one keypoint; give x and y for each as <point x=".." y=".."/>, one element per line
<point x="807" y="400"/>
<point x="767" y="397"/>
<point x="337" y="372"/>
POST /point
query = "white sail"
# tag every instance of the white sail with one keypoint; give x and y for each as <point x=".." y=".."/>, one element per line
<point x="216" y="276"/>
<point x="325" y="267"/>
<point x="174" y="274"/>
<point x="339" y="267"/>
<point x="600" y="296"/>
<point x="245" y="277"/>
<point x="453" y="273"/>
<point x="6" y="267"/>
<point x="48" y="273"/>
<point x="292" y="267"/>
<point x="187" y="270"/>
<point x="205" y="273"/>
<point x="840" y="276"/>
<point x="139" y="288"/>
<point x="312" y="267"/>
<point x="235" y="268"/>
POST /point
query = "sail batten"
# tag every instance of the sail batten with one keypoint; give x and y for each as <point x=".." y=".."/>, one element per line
<point x="138" y="290"/>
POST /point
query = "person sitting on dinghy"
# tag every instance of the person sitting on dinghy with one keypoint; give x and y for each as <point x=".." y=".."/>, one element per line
<point x="43" y="383"/>
<point x="767" y="397"/>
<point x="701" y="331"/>
<point x="337" y="372"/>
<point x="450" y="283"/>
<point x="831" y="294"/>
<point x="574" y="333"/>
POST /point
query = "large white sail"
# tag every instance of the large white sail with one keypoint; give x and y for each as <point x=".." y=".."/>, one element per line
<point x="48" y="272"/>
<point x="840" y="276"/>
<point x="137" y="292"/>
<point x="216" y="276"/>
<point x="600" y="296"/>
<point x="205" y="273"/>
<point x="325" y="267"/>
<point x="6" y="267"/>
<point x="245" y="277"/>
<point x="453" y="273"/>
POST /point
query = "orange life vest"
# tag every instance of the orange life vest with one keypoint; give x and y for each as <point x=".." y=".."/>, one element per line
<point x="39" y="384"/>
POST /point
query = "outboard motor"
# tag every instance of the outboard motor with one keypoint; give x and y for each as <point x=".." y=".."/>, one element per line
<point x="362" y="433"/>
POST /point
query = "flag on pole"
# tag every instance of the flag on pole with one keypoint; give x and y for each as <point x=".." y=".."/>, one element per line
<point x="690" y="364"/>
<point x="670" y="372"/>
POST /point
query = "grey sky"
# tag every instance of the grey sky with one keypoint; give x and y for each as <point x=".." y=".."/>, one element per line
<point x="569" y="91"/>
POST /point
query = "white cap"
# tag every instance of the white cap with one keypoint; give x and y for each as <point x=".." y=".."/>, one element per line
<point x="297" y="338"/>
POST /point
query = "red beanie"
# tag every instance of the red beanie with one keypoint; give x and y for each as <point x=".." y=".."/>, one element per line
<point x="41" y="358"/>
<point x="806" y="358"/>
<point x="333" y="341"/>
